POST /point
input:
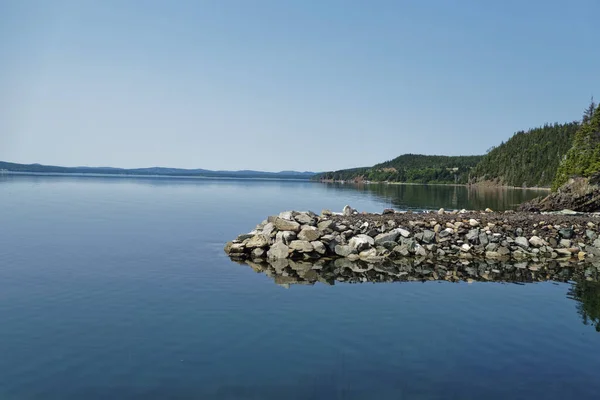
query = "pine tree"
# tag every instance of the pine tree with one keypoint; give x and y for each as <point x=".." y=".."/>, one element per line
<point x="589" y="111"/>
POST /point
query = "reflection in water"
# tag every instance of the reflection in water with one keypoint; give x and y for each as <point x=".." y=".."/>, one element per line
<point x="584" y="277"/>
<point x="587" y="294"/>
<point x="446" y="196"/>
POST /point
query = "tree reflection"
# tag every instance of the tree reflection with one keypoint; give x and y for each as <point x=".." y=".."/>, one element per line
<point x="587" y="295"/>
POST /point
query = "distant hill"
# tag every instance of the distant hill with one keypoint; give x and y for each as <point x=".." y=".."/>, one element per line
<point x="528" y="158"/>
<point x="410" y="168"/>
<point x="160" y="171"/>
<point x="583" y="158"/>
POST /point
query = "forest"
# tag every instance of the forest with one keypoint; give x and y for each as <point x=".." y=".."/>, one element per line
<point x="410" y="168"/>
<point x="529" y="158"/>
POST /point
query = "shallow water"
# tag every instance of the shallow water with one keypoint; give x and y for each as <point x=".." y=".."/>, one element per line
<point x="120" y="287"/>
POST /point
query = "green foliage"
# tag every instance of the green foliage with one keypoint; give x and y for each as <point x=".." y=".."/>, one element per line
<point x="583" y="159"/>
<point x="528" y="158"/>
<point x="411" y="168"/>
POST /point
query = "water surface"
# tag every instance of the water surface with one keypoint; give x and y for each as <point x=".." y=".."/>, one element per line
<point x="120" y="287"/>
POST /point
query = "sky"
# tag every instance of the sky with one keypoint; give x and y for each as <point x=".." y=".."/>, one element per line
<point x="285" y="84"/>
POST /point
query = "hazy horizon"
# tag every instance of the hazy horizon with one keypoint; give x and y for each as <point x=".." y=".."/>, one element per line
<point x="274" y="86"/>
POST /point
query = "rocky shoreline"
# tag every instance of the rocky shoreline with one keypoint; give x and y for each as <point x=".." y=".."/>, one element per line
<point x="393" y="235"/>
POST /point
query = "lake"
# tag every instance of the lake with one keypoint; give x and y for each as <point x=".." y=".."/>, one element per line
<point x="119" y="287"/>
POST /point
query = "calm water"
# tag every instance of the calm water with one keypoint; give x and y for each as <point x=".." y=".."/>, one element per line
<point x="119" y="287"/>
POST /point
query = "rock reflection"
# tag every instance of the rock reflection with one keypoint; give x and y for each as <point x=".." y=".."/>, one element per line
<point x="289" y="272"/>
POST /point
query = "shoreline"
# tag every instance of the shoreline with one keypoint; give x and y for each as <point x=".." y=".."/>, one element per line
<point x="467" y="185"/>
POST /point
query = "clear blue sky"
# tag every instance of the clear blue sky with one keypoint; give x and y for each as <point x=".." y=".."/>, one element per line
<point x="282" y="84"/>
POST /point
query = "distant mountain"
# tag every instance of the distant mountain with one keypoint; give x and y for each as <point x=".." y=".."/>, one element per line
<point x="410" y="168"/>
<point x="160" y="171"/>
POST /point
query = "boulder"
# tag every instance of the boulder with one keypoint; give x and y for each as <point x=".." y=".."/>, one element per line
<point x="428" y="236"/>
<point x="388" y="211"/>
<point x="268" y="229"/>
<point x="390" y="236"/>
<point x="319" y="247"/>
<point x="287" y="215"/>
<point x="305" y="219"/>
<point x="258" y="253"/>
<point x="234" y="248"/>
<point x="522" y="241"/>
<point x="278" y="250"/>
<point x="259" y="240"/>
<point x="473" y="222"/>
<point x="347" y="211"/>
<point x="473" y="235"/>
<point x="536" y="241"/>
<point x="325" y="224"/>
<point x="285" y="236"/>
<point x="302" y="246"/>
<point x="361" y="242"/>
<point x="344" y="250"/>
<point x="309" y="233"/>
<point x="286" y="225"/>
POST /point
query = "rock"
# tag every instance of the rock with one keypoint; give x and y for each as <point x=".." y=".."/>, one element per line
<point x="420" y="250"/>
<point x="483" y="239"/>
<point x="285" y="236"/>
<point x="286" y="225"/>
<point x="519" y="232"/>
<point x="326" y="213"/>
<point x="258" y="253"/>
<point x="503" y="251"/>
<point x="465" y="248"/>
<point x="566" y="233"/>
<point x="257" y="241"/>
<point x="344" y="250"/>
<point x="390" y="236"/>
<point x="368" y="254"/>
<point x="402" y="250"/>
<point x="403" y="232"/>
<point x="489" y="210"/>
<point x="309" y="233"/>
<point x="361" y="242"/>
<point x="565" y="243"/>
<point x="428" y="236"/>
<point x="590" y="234"/>
<point x="234" y="248"/>
<point x="305" y="219"/>
<point x="473" y="222"/>
<point x="268" y="229"/>
<point x="389" y="245"/>
<point x="319" y="247"/>
<point x="446" y="232"/>
<point x="245" y="236"/>
<point x="563" y="252"/>
<point x="303" y="246"/>
<point x="473" y="235"/>
<point x="325" y="225"/>
<point x="537" y="241"/>
<point x="287" y="215"/>
<point x="388" y="211"/>
<point x="522" y="241"/>
<point x="347" y="211"/>
<point x="441" y="211"/>
<point x="278" y="250"/>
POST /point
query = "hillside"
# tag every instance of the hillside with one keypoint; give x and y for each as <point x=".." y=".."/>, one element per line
<point x="583" y="158"/>
<point x="153" y="171"/>
<point x="410" y="168"/>
<point x="528" y="158"/>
